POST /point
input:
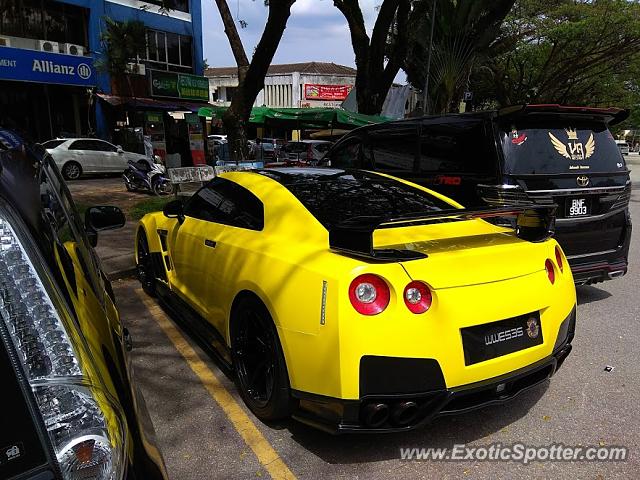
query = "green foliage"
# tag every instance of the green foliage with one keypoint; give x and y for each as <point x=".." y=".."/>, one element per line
<point x="464" y="32"/>
<point x="564" y="51"/>
<point x="123" y="43"/>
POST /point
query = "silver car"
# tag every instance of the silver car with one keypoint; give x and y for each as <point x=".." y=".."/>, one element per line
<point x="305" y="152"/>
<point x="623" y="146"/>
<point x="76" y="156"/>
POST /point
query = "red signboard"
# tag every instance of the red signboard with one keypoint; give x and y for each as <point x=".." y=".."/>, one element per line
<point x="326" y="92"/>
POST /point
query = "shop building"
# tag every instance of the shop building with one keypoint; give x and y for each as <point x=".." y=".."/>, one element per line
<point x="295" y="85"/>
<point x="50" y="83"/>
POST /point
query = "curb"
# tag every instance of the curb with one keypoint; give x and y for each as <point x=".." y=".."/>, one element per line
<point x="121" y="274"/>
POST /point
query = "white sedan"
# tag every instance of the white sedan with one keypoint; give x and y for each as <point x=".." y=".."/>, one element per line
<point x="75" y="156"/>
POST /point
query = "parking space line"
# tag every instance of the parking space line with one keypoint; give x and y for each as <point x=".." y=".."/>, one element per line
<point x="263" y="450"/>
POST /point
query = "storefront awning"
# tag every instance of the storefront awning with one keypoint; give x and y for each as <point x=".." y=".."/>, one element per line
<point x="300" y="118"/>
<point x="152" y="104"/>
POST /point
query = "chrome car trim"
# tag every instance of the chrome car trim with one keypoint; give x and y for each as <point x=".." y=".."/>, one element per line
<point x="592" y="254"/>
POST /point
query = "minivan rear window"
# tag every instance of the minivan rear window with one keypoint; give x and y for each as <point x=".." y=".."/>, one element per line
<point x="555" y="147"/>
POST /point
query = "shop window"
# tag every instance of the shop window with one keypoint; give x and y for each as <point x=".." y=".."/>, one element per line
<point x="44" y="20"/>
<point x="32" y="20"/>
<point x="177" y="5"/>
<point x="152" y="45"/>
<point x="173" y="48"/>
<point x="169" y="51"/>
<point x="11" y="18"/>
<point x="186" y="53"/>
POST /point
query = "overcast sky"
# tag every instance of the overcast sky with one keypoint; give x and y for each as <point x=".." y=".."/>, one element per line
<point x="316" y="31"/>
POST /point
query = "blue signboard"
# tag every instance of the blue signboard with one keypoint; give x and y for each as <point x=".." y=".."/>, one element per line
<point x="45" y="67"/>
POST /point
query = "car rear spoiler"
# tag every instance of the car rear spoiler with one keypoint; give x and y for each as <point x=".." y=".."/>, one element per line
<point x="354" y="236"/>
<point x="610" y="115"/>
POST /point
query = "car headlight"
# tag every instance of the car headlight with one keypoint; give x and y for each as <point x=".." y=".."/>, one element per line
<point x="86" y="428"/>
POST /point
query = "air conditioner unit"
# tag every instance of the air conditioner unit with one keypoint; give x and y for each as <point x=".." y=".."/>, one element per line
<point x="71" y="49"/>
<point x="49" y="46"/>
<point x="136" y="68"/>
<point x="5" y="41"/>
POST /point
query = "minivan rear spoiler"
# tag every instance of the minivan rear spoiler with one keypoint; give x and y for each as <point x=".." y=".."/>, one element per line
<point x="610" y="115"/>
<point x="354" y="236"/>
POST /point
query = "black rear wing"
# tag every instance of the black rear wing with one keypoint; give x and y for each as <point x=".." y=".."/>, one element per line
<point x="610" y="115"/>
<point x="354" y="236"/>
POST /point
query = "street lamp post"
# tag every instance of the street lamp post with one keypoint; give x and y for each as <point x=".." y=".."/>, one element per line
<point x="425" y="98"/>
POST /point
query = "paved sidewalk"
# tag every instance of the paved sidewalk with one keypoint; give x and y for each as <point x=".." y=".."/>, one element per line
<point x="115" y="249"/>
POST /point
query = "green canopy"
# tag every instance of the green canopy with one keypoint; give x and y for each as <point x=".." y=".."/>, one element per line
<point x="300" y="118"/>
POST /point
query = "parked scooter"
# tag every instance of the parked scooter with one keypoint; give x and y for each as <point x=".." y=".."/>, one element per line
<point x="146" y="175"/>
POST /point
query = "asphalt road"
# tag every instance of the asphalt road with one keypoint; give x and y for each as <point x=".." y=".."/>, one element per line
<point x="205" y="431"/>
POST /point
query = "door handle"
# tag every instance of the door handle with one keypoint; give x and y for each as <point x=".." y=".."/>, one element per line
<point x="210" y="243"/>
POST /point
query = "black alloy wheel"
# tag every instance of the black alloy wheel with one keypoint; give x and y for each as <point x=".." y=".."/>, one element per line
<point x="144" y="266"/>
<point x="258" y="361"/>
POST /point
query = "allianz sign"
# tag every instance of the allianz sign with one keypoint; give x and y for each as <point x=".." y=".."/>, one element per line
<point x="82" y="70"/>
<point x="45" y="67"/>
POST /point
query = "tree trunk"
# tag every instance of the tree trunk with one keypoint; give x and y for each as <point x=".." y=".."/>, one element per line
<point x="250" y="75"/>
<point x="373" y="77"/>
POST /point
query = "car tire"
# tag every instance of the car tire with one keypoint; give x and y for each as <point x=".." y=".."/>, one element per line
<point x="258" y="361"/>
<point x="71" y="171"/>
<point x="144" y="266"/>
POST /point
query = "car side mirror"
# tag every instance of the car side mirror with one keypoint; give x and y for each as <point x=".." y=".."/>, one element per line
<point x="174" y="209"/>
<point x="119" y="149"/>
<point x="100" y="218"/>
<point x="104" y="217"/>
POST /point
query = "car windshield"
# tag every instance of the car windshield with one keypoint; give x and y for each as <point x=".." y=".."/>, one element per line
<point x="295" y="147"/>
<point x="333" y="196"/>
<point x="53" y="143"/>
<point x="556" y="146"/>
<point x="322" y="147"/>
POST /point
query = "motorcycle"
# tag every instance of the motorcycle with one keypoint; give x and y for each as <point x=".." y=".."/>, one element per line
<point x="146" y="175"/>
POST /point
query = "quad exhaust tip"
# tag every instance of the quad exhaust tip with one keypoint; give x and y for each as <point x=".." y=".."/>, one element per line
<point x="375" y="414"/>
<point x="402" y="414"/>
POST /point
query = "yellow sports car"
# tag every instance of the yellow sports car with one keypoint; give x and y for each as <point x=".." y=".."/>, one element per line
<point x="355" y="301"/>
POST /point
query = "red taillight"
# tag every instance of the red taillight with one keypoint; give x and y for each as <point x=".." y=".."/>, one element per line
<point x="559" y="259"/>
<point x="417" y="297"/>
<point x="369" y="294"/>
<point x="551" y="273"/>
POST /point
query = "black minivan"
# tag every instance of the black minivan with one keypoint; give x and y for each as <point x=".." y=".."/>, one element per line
<point x="546" y="154"/>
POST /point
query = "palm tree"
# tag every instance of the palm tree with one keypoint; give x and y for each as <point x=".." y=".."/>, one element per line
<point x="464" y="33"/>
<point x="123" y="43"/>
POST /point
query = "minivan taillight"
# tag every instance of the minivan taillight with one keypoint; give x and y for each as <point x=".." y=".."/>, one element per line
<point x="369" y="294"/>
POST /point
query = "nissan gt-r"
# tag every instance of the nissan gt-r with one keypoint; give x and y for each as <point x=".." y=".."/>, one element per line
<point x="355" y="301"/>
